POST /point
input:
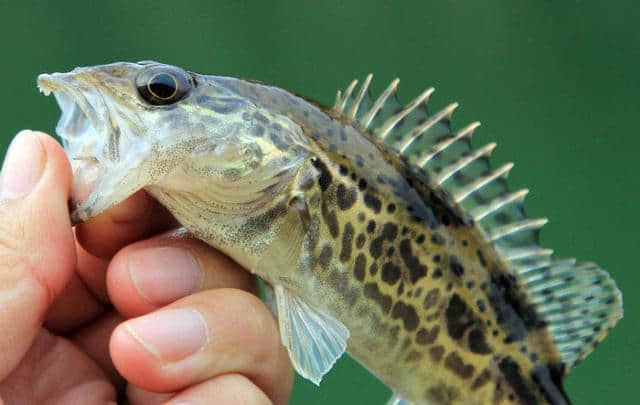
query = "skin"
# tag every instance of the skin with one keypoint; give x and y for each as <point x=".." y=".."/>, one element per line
<point x="78" y="327"/>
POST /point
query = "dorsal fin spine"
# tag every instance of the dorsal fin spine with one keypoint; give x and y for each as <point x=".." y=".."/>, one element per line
<point x="528" y="252"/>
<point x="442" y="145"/>
<point x="353" y="110"/>
<point x="498" y="203"/>
<point x="391" y="122"/>
<point x="347" y="95"/>
<point x="480" y="182"/>
<point x="463" y="162"/>
<point x="368" y="117"/>
<point x="532" y="272"/>
<point x="444" y="114"/>
<point x="533" y="267"/>
<point x="516" y="227"/>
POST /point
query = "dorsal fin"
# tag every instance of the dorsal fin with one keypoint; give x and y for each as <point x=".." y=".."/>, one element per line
<point x="580" y="302"/>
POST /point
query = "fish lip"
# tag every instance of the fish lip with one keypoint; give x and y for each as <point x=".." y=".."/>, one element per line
<point x="84" y="144"/>
<point x="63" y="85"/>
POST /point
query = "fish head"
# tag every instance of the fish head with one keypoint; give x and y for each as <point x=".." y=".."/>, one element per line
<point x="125" y="126"/>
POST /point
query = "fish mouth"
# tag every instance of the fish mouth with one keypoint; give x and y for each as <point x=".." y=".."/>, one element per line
<point x="86" y="133"/>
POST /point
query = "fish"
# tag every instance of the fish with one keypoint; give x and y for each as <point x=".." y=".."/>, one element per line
<point x="378" y="229"/>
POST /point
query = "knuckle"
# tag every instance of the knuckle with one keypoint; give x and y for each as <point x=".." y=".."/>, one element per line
<point x="243" y="390"/>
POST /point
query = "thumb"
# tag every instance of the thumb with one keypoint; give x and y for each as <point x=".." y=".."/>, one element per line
<point x="37" y="251"/>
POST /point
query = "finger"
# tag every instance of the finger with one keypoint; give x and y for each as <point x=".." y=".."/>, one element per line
<point x="202" y="336"/>
<point x="37" y="254"/>
<point x="55" y="372"/>
<point x="136" y="218"/>
<point x="228" y="389"/>
<point x="73" y="307"/>
<point x="93" y="340"/>
<point x="92" y="270"/>
<point x="84" y="297"/>
<point x="138" y="396"/>
<point x="150" y="274"/>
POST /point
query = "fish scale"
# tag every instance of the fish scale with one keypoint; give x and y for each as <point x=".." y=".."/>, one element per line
<point x="380" y="230"/>
<point x="422" y="288"/>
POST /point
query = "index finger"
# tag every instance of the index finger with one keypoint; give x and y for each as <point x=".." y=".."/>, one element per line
<point x="138" y="217"/>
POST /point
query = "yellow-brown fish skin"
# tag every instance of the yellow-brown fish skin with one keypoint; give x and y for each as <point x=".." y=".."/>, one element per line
<point x="411" y="281"/>
<point x="414" y="281"/>
<point x="309" y="202"/>
<point x="418" y="294"/>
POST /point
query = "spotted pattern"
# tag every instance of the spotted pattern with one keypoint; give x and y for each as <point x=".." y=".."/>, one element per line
<point x="443" y="319"/>
<point x="408" y="262"/>
<point x="455" y="363"/>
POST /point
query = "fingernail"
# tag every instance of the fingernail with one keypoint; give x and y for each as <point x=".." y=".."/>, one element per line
<point x="162" y="275"/>
<point x="22" y="167"/>
<point x="170" y="335"/>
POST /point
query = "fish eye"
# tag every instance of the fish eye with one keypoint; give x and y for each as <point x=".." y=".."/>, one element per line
<point x="163" y="85"/>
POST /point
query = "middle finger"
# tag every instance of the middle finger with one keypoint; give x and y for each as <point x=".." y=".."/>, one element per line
<point x="150" y="274"/>
<point x="201" y="337"/>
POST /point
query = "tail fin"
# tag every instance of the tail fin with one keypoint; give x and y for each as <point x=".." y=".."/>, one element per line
<point x="580" y="302"/>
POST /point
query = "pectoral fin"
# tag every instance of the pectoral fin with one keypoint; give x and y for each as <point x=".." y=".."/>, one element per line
<point x="314" y="340"/>
<point x="397" y="399"/>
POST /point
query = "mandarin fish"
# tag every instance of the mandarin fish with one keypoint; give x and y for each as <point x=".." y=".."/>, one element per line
<point x="379" y="230"/>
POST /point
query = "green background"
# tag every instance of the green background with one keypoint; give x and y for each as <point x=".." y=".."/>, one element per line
<point x="555" y="84"/>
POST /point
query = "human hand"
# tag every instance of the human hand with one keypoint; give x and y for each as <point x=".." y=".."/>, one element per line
<point x="124" y="307"/>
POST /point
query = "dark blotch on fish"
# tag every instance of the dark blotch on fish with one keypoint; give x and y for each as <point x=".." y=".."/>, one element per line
<point x="442" y="394"/>
<point x="347" y="241"/>
<point x="478" y="342"/>
<point x="431" y="298"/>
<point x="325" y="256"/>
<point x="437" y="239"/>
<point x="456" y="266"/>
<point x="325" y="178"/>
<point x="340" y="282"/>
<point x="389" y="231"/>
<point x="436" y="353"/>
<point x="346" y="197"/>
<point x="512" y="373"/>
<point x="261" y="118"/>
<point x="455" y="363"/>
<point x="390" y="273"/>
<point x="549" y="380"/>
<point x="372" y="291"/>
<point x="416" y="269"/>
<point x="407" y="313"/>
<point x="371" y="226"/>
<point x="330" y="219"/>
<point x="481" y="258"/>
<point x="359" y="267"/>
<point x="375" y="247"/>
<point x="427" y="337"/>
<point x="373" y="202"/>
<point x="277" y="141"/>
<point x="458" y="317"/>
<point x="481" y="380"/>
<point x="509" y="304"/>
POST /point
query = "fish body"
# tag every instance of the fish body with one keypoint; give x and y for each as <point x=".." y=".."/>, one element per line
<point x="380" y="230"/>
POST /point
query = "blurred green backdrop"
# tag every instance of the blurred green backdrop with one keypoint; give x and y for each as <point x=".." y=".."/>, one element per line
<point x="556" y="84"/>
